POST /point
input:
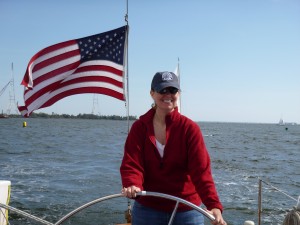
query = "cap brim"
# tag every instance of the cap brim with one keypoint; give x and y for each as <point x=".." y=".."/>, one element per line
<point x="165" y="85"/>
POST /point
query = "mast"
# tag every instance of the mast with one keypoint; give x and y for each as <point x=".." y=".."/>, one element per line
<point x="12" y="98"/>
<point x="95" y="105"/>
<point x="177" y="72"/>
<point x="128" y="211"/>
<point x="127" y="66"/>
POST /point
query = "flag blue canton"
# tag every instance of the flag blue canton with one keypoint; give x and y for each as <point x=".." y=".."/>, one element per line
<point x="105" y="46"/>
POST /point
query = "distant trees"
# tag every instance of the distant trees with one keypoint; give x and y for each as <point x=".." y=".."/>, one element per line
<point x="79" y="116"/>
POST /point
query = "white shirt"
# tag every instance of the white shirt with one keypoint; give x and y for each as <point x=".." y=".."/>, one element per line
<point x="160" y="148"/>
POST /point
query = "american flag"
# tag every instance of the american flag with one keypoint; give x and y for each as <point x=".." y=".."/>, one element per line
<point x="93" y="64"/>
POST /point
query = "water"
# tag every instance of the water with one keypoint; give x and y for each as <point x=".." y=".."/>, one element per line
<point x="57" y="165"/>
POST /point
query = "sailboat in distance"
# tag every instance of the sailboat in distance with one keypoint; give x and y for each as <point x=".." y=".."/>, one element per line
<point x="281" y="123"/>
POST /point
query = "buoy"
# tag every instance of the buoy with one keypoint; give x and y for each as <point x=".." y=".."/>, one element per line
<point x="24" y="124"/>
<point x="4" y="199"/>
<point x="249" y="222"/>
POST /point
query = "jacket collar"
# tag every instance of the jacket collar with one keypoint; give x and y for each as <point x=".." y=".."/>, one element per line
<point x="171" y="117"/>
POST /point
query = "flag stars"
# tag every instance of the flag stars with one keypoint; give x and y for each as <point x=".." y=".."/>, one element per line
<point x="108" y="47"/>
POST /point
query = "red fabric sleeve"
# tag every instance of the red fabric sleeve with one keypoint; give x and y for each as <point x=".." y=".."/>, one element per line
<point x="132" y="168"/>
<point x="200" y="169"/>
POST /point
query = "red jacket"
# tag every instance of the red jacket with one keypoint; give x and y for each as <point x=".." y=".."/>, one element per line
<point x="184" y="171"/>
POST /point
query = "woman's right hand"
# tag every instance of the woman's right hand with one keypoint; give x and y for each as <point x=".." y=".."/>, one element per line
<point x="130" y="192"/>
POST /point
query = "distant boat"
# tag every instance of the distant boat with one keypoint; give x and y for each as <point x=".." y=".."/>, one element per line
<point x="3" y="116"/>
<point x="281" y="123"/>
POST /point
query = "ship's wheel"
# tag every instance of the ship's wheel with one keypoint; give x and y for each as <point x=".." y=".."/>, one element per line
<point x="142" y="193"/>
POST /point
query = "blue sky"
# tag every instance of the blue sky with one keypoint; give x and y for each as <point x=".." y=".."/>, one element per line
<point x="239" y="59"/>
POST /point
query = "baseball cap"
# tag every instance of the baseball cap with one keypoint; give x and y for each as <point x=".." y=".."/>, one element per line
<point x="165" y="79"/>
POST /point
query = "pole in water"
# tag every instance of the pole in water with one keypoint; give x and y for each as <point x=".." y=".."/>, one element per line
<point x="24" y="124"/>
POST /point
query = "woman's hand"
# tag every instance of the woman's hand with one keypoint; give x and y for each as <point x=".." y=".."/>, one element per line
<point x="218" y="217"/>
<point x="130" y="192"/>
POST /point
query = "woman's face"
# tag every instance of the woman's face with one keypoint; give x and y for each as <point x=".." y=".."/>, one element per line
<point x="166" y="100"/>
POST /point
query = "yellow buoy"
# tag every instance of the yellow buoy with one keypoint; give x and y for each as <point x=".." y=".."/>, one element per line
<point x="24" y="124"/>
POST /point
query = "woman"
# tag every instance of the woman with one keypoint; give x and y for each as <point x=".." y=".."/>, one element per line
<point x="165" y="152"/>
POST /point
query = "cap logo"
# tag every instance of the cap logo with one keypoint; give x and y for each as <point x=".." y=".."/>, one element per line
<point x="167" y="76"/>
